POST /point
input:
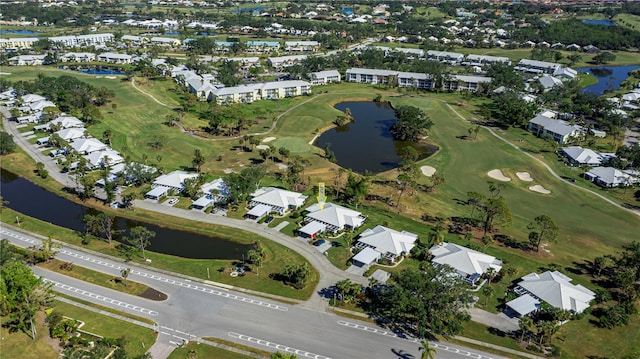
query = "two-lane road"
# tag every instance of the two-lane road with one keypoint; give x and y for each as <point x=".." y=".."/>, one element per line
<point x="198" y="310"/>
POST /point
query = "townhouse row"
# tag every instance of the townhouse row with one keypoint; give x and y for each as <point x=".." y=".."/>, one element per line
<point x="416" y="80"/>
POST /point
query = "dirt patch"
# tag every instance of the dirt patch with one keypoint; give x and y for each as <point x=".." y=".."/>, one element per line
<point x="153" y="294"/>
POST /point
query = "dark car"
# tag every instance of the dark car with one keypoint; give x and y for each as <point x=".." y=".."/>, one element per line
<point x="268" y="220"/>
<point x="319" y="242"/>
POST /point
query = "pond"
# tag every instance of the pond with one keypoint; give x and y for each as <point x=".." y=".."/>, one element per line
<point x="599" y="22"/>
<point x="609" y="77"/>
<point x="101" y="72"/>
<point x="31" y="200"/>
<point x="18" y="32"/>
<point x="366" y="144"/>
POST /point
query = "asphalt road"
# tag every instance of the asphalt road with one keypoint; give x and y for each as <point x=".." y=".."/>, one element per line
<point x="199" y="310"/>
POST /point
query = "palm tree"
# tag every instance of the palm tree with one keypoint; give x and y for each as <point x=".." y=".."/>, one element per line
<point x="125" y="274"/>
<point x="487" y="291"/>
<point x="525" y="324"/>
<point x="428" y="352"/>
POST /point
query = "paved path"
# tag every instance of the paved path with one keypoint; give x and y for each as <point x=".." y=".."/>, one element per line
<point x="492" y="320"/>
<point x="329" y="274"/>
<point x="133" y="83"/>
<point x="551" y="171"/>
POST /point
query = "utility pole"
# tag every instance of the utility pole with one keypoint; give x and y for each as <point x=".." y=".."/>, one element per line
<point x="208" y="276"/>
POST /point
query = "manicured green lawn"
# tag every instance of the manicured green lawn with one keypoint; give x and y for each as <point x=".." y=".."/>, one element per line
<point x="205" y="351"/>
<point x="20" y="345"/>
<point x="628" y="20"/>
<point x="98" y="278"/>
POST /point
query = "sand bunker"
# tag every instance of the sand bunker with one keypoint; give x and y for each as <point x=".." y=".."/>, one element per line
<point x="524" y="176"/>
<point x="262" y="147"/>
<point x="428" y="171"/>
<point x="498" y="175"/>
<point x="111" y="77"/>
<point x="5" y="73"/>
<point x="268" y="139"/>
<point x="538" y="188"/>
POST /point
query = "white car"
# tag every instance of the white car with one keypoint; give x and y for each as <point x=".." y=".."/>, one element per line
<point x="172" y="201"/>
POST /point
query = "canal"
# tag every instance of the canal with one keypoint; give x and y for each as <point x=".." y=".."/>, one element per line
<point x="33" y="201"/>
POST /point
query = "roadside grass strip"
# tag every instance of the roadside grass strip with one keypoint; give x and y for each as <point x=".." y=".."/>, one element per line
<point x="155" y="277"/>
<point x="85" y="293"/>
<point x="276" y="346"/>
<point x="178" y="283"/>
<point x="413" y="340"/>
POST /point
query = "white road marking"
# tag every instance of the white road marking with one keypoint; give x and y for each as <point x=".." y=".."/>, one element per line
<point x="413" y="340"/>
<point x="101" y="297"/>
<point x="276" y="346"/>
<point x="153" y="276"/>
<point x="178" y="283"/>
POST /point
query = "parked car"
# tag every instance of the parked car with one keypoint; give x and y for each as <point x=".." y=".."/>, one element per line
<point x="268" y="220"/>
<point x="320" y="242"/>
<point x="172" y="201"/>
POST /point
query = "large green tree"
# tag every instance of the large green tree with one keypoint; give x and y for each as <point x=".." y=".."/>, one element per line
<point x="432" y="300"/>
<point x="543" y="229"/>
<point x="412" y="124"/>
<point x="6" y="143"/>
<point x="140" y="237"/>
<point x="22" y="295"/>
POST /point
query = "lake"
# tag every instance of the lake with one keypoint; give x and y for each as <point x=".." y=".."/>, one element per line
<point x="18" y="32"/>
<point x="31" y="200"/>
<point x="599" y="22"/>
<point x="366" y="144"/>
<point x="609" y="77"/>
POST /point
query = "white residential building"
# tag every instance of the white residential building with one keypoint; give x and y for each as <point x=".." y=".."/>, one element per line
<point x="555" y="289"/>
<point x="333" y="217"/>
<point x="212" y="193"/>
<point x="445" y="56"/>
<point x="27" y="60"/>
<point x="115" y="58"/>
<point x="301" y="46"/>
<point x="324" y="77"/>
<point x="260" y="91"/>
<point x="559" y="130"/>
<point x="78" y="57"/>
<point x="285" y="61"/>
<point x="390" y="244"/>
<point x="83" y="40"/>
<point x="85" y="146"/>
<point x="279" y="200"/>
<point x="612" y="177"/>
<point x="578" y="156"/>
<point x="469" y="264"/>
<point x="105" y="158"/>
<point x="18" y="43"/>
<point x="484" y="60"/>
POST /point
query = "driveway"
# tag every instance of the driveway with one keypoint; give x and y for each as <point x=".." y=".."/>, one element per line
<point x="356" y="270"/>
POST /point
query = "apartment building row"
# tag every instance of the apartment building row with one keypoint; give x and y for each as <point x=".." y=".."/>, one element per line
<point x="416" y="80"/>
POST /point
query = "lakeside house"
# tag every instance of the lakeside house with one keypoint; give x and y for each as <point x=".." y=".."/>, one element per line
<point x="172" y="182"/>
<point x="212" y="192"/>
<point x="261" y="91"/>
<point x="414" y="79"/>
<point x="469" y="264"/>
<point x="382" y="243"/>
<point x="553" y="288"/>
<point x="115" y="58"/>
<point x="78" y="57"/>
<point x="324" y="77"/>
